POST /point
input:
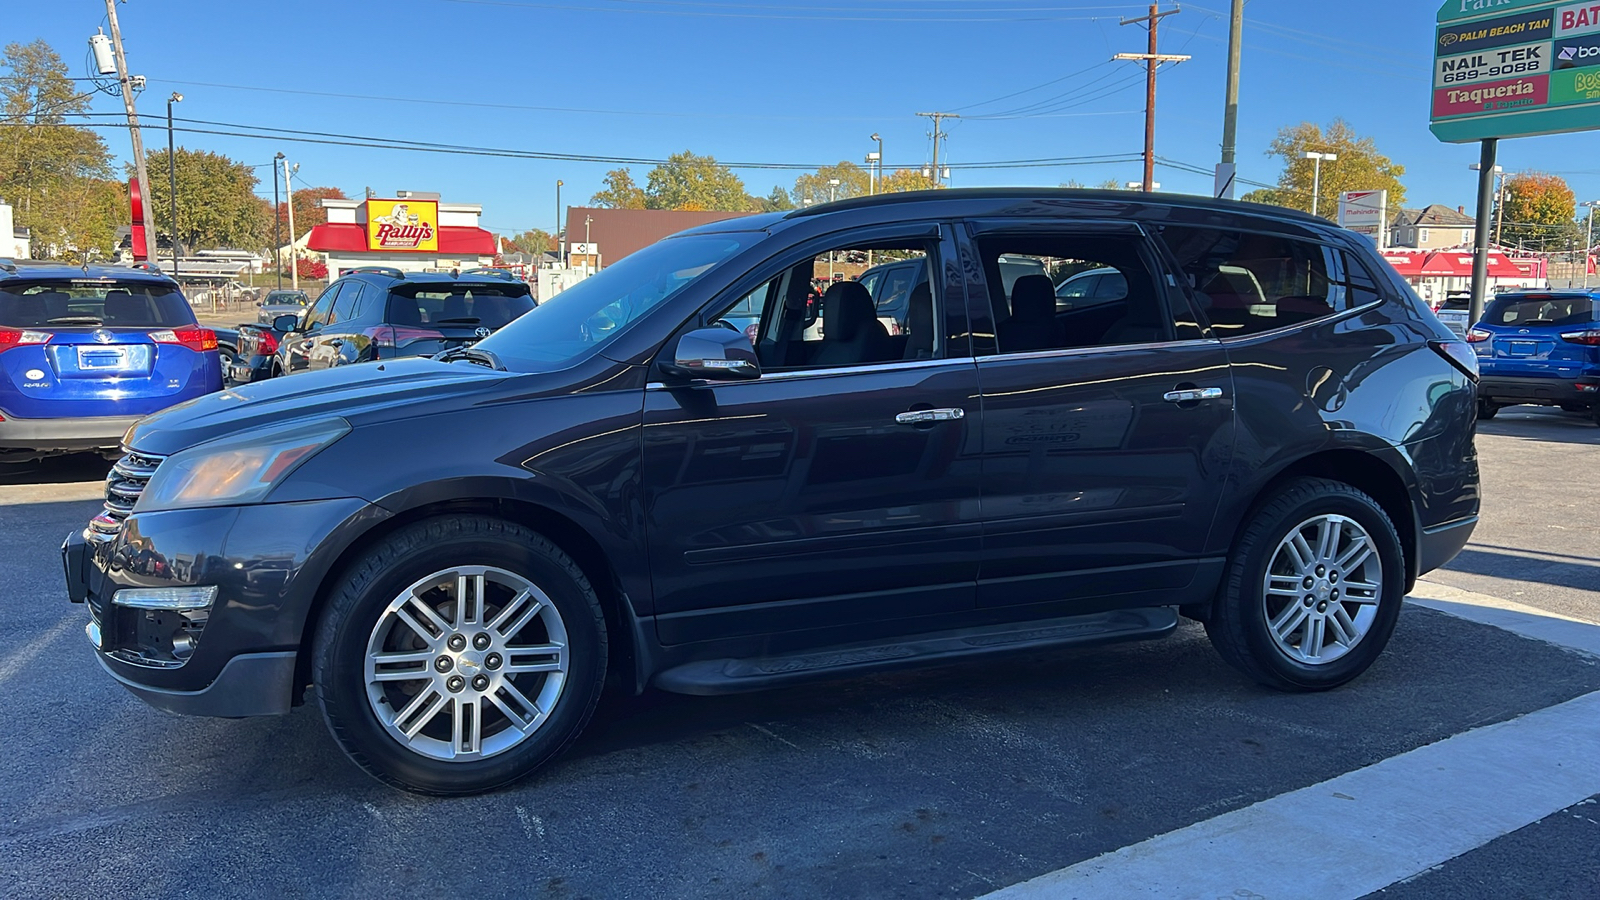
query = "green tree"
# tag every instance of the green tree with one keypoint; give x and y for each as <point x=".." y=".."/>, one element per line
<point x="905" y="180"/>
<point x="217" y="205"/>
<point x="777" y="201"/>
<point x="1268" y="196"/>
<point x="1539" y="213"/>
<point x="1360" y="167"/>
<point x="620" y="191"/>
<point x="817" y="186"/>
<point x="56" y="176"/>
<point x="688" y="181"/>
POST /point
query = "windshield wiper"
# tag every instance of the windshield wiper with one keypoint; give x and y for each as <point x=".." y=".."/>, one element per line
<point x="485" y="358"/>
<point x="75" y="320"/>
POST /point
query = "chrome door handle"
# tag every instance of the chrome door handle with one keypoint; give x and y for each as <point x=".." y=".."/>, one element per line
<point x="926" y="416"/>
<point x="1192" y="395"/>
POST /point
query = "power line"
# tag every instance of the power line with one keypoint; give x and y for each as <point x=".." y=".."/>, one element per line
<point x="890" y="16"/>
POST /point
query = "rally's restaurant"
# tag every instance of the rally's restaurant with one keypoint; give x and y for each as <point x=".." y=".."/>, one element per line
<point x="412" y="232"/>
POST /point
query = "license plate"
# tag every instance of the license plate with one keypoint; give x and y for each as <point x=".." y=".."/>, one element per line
<point x="102" y="357"/>
<point x="1522" y="348"/>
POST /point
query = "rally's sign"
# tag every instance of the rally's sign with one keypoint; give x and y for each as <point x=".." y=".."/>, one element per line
<point x="1514" y="68"/>
<point x="403" y="225"/>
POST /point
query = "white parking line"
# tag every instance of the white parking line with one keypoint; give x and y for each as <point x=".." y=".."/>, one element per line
<point x="13" y="664"/>
<point x="1367" y="829"/>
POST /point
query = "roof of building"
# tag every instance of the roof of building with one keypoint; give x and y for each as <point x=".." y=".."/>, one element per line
<point x="619" y="232"/>
<point x="1433" y="216"/>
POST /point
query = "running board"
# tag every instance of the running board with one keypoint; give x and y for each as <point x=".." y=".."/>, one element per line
<point x="733" y="676"/>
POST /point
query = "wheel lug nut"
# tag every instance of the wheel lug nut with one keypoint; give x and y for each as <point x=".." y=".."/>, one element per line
<point x="481" y="641"/>
<point x="1321" y="571"/>
<point x="443" y="663"/>
<point x="1334" y="595"/>
<point x="481" y="682"/>
<point x="1334" y="577"/>
<point x="458" y="642"/>
<point x="1308" y="582"/>
<point x="1310" y="600"/>
<point x="492" y="661"/>
<point x="455" y="683"/>
<point x="1322" y="607"/>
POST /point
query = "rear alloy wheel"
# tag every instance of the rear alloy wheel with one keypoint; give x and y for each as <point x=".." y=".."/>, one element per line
<point x="1313" y="588"/>
<point x="458" y="655"/>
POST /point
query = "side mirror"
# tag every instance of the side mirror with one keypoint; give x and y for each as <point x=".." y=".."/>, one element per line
<point x="288" y="322"/>
<point x="714" y="354"/>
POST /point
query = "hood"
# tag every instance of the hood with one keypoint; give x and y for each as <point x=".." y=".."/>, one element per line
<point x="359" y="393"/>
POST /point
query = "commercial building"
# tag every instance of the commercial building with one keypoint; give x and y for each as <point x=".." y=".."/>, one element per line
<point x="412" y="232"/>
<point x="1432" y="228"/>
<point x="596" y="237"/>
<point x="1437" y="273"/>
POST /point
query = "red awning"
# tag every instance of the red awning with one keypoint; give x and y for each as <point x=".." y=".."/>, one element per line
<point x="1409" y="265"/>
<point x="344" y="237"/>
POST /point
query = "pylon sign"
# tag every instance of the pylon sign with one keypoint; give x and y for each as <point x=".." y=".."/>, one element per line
<point x="1515" y="68"/>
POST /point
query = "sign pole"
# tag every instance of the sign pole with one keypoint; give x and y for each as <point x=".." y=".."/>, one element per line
<point x="1480" y="244"/>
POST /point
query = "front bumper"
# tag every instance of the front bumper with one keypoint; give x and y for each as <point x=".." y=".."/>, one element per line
<point x="1510" y="389"/>
<point x="65" y="435"/>
<point x="267" y="562"/>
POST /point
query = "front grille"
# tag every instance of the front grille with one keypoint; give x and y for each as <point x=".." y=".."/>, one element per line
<point x="124" y="484"/>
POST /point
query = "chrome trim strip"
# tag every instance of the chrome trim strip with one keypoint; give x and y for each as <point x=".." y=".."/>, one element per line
<point x="1336" y="317"/>
<point x="816" y="373"/>
<point x="1109" y="348"/>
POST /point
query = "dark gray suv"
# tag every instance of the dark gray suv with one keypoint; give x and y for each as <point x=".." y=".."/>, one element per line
<point x="1270" y="433"/>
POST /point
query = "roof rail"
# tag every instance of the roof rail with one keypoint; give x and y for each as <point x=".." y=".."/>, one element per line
<point x="492" y="273"/>
<point x="390" y="271"/>
<point x="8" y="266"/>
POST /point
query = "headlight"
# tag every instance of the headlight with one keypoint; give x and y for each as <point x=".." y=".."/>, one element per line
<point x="234" y="470"/>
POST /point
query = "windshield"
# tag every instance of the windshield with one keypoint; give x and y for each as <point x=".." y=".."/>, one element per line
<point x="286" y="298"/>
<point x="587" y="315"/>
<point x="94" y="302"/>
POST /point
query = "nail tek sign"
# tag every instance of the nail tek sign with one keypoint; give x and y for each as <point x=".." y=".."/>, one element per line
<point x="1514" y="68"/>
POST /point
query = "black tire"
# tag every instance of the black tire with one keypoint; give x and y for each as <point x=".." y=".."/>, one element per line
<point x="1487" y="409"/>
<point x="1238" y="626"/>
<point x="388" y="569"/>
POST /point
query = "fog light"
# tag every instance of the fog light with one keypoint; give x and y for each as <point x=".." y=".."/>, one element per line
<point x="167" y="598"/>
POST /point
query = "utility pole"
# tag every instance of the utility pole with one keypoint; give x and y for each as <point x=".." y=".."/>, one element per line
<point x="277" y="234"/>
<point x="288" y="195"/>
<point x="938" y="118"/>
<point x="1230" y="111"/>
<point x="133" y="117"/>
<point x="1152" y="61"/>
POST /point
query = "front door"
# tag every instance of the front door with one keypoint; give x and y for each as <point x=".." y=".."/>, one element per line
<point x="1108" y="424"/>
<point x="839" y="488"/>
<point x="299" y="346"/>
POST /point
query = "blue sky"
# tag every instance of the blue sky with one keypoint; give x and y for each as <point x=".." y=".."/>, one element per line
<point x="786" y="81"/>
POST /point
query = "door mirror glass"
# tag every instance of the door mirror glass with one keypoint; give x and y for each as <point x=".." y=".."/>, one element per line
<point x="721" y="353"/>
<point x="285" y="322"/>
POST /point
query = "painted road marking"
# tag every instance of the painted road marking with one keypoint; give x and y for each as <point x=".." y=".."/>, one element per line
<point x="1365" y="830"/>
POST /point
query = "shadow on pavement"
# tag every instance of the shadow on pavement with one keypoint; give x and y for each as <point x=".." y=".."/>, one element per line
<point x="1583" y="576"/>
<point x="1542" y="423"/>
<point x="56" y="470"/>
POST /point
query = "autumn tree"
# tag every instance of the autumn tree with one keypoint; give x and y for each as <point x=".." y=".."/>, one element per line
<point x="620" y="192"/>
<point x="217" y="205"/>
<point x="1360" y="167"/>
<point x="534" y="240"/>
<point x="1268" y="196"/>
<point x="1539" y="212"/>
<point x="58" y="177"/>
<point x="817" y="186"/>
<point x="905" y="180"/>
<point x="777" y="201"/>
<point x="690" y="181"/>
<point x="308" y="214"/>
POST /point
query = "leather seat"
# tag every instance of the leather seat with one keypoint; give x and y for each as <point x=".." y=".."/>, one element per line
<point x="919" y="323"/>
<point x="851" y="332"/>
<point x="121" y="308"/>
<point x="455" y="306"/>
<point x="1032" y="325"/>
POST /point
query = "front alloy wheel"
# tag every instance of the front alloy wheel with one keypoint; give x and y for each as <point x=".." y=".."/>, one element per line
<point x="466" y="663"/>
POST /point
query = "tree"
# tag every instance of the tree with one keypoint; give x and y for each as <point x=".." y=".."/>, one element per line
<point x="1360" y="167"/>
<point x="1268" y="196"/>
<point x="217" y="205"/>
<point x="534" y="240"/>
<point x="688" y="181"/>
<point x="777" y="201"/>
<point x="817" y="187"/>
<point x="620" y="192"/>
<point x="905" y="180"/>
<point x="57" y="176"/>
<point x="1540" y="211"/>
<point x="307" y="214"/>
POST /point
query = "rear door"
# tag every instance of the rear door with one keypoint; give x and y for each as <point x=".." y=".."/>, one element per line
<point x="1107" y="431"/>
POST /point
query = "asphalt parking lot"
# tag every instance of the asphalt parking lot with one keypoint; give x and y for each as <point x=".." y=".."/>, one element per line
<point x="953" y="782"/>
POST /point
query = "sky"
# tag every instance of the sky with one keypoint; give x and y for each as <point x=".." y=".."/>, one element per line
<point x="787" y="82"/>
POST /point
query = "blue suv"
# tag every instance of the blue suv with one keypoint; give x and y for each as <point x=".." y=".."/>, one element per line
<point x="87" y="351"/>
<point x="1541" y="348"/>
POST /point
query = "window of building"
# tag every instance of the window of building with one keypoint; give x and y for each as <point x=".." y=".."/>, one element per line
<point x="1248" y="282"/>
<point x="1422" y="236"/>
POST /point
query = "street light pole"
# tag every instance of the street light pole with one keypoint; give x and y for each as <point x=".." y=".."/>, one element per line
<point x="1316" y="175"/>
<point x="172" y="182"/>
<point x="1588" y="240"/>
<point x="277" y="232"/>
<point x="288" y="192"/>
<point x="561" y="244"/>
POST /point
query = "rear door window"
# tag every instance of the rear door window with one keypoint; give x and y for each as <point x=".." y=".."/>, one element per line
<point x="1249" y="282"/>
<point x="1542" y="310"/>
<point x="92" y="303"/>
